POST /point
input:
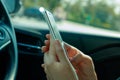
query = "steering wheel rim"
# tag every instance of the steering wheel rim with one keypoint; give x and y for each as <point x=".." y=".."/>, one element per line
<point x="9" y="38"/>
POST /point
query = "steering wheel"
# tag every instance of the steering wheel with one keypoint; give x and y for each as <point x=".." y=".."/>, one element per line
<point x="8" y="41"/>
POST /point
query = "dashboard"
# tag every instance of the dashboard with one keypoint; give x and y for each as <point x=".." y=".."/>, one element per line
<point x="105" y="52"/>
<point x="30" y="56"/>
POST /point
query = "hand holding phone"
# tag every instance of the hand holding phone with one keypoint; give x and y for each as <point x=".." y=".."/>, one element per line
<point x="54" y="32"/>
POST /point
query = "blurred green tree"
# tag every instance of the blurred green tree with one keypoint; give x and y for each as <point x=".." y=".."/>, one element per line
<point x="98" y="14"/>
<point x="49" y="4"/>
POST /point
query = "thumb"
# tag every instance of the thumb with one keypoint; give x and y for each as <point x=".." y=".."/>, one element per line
<point x="72" y="51"/>
<point x="77" y="59"/>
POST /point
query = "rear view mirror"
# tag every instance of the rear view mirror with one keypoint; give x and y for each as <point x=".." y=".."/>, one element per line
<point x="11" y="5"/>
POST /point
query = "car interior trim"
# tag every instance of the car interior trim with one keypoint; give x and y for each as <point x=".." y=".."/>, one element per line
<point x="5" y="44"/>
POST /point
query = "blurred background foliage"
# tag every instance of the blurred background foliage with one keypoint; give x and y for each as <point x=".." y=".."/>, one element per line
<point x="97" y="13"/>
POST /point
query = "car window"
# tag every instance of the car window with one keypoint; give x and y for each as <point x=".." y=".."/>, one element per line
<point x="103" y="14"/>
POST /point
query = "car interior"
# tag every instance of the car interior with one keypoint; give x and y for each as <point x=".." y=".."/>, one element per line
<point x="21" y="56"/>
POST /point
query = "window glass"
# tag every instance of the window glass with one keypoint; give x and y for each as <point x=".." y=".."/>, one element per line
<point x="104" y="14"/>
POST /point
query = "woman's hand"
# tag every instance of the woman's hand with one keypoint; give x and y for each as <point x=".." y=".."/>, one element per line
<point x="56" y="65"/>
<point x="82" y="63"/>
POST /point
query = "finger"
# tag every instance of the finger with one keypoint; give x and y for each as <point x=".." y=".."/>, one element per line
<point x="48" y="75"/>
<point x="67" y="46"/>
<point x="59" y="51"/>
<point x="45" y="49"/>
<point x="52" y="47"/>
<point x="48" y="36"/>
<point x="72" y="51"/>
<point x="51" y="56"/>
<point x="47" y="42"/>
<point x="43" y="65"/>
<point x="46" y="71"/>
<point x="78" y="58"/>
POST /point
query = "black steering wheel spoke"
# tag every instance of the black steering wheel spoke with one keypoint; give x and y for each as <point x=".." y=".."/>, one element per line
<point x="8" y="46"/>
<point x="4" y="38"/>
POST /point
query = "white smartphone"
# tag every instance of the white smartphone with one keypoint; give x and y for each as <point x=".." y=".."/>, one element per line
<point x="51" y="24"/>
<point x="55" y="33"/>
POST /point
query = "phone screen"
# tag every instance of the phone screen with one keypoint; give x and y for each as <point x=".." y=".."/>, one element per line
<point x="54" y="32"/>
<point x="51" y="24"/>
